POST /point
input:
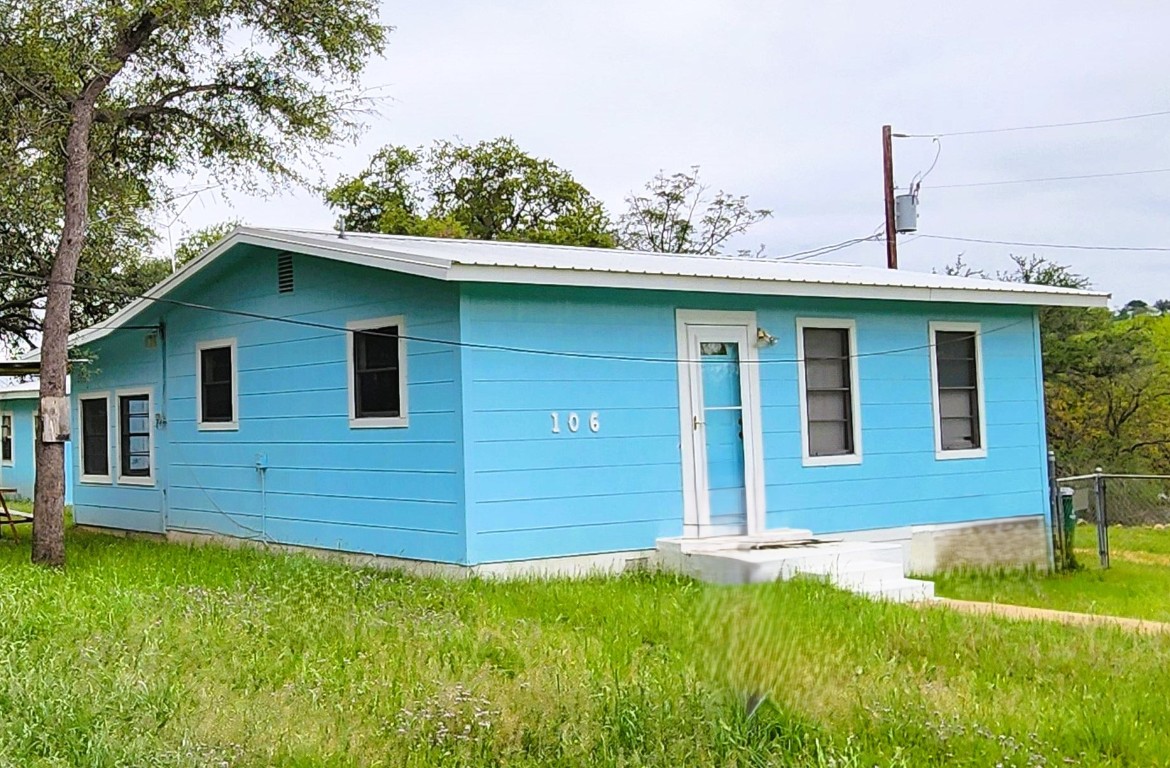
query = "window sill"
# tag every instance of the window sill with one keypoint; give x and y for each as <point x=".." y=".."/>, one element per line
<point x="969" y="453"/>
<point x="96" y="480"/>
<point x="141" y="481"/>
<point x="832" y="461"/>
<point x="396" y="422"/>
<point x="7" y="464"/>
<point x="217" y="426"/>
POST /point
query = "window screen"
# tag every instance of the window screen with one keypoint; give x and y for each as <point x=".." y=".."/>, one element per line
<point x="215" y="382"/>
<point x="134" y="435"/>
<point x="376" y="384"/>
<point x="958" y="390"/>
<point x="828" y="391"/>
<point x="95" y="438"/>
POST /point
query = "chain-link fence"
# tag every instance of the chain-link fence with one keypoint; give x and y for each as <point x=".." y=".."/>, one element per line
<point x="1085" y="507"/>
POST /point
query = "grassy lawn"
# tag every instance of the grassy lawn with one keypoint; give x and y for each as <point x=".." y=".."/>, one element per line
<point x="1137" y="584"/>
<point x="146" y="654"/>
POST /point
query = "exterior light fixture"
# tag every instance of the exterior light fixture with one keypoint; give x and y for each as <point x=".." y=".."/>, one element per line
<point x="764" y="339"/>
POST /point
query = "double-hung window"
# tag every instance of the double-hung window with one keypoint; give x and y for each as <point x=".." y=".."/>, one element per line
<point x="215" y="384"/>
<point x="829" y="400"/>
<point x="6" y="438"/>
<point x="377" y="373"/>
<point x="95" y="438"/>
<point x="957" y="376"/>
<point x="135" y="438"/>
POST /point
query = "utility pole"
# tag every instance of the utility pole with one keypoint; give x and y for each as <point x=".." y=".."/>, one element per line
<point x="888" y="172"/>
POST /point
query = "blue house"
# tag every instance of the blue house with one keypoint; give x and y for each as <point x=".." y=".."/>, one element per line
<point x="485" y="404"/>
<point x="18" y="409"/>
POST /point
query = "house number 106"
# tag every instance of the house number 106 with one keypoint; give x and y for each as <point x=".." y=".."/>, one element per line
<point x="573" y="422"/>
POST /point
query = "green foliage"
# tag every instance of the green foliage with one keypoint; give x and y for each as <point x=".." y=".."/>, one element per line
<point x="1135" y="585"/>
<point x="245" y="90"/>
<point x="150" y="654"/>
<point x="1106" y="378"/>
<point x="195" y="243"/>
<point x="675" y="214"/>
<point x="492" y="190"/>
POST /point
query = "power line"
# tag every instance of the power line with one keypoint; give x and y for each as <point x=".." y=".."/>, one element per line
<point x="1038" y="127"/>
<point x="453" y="343"/>
<point x="1051" y="178"/>
<point x="1064" y="246"/>
<point x="813" y="253"/>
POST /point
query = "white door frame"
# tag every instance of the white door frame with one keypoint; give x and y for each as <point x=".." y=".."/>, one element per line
<point x="696" y="512"/>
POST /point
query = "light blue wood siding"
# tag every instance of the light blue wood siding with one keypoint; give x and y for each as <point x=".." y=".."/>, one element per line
<point x="121" y="361"/>
<point x="387" y="491"/>
<point x="21" y="473"/>
<point x="532" y="493"/>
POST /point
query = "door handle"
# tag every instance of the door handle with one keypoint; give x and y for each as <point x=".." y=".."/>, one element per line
<point x="697" y="423"/>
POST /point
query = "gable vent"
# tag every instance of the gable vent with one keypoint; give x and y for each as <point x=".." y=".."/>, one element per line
<point x="284" y="273"/>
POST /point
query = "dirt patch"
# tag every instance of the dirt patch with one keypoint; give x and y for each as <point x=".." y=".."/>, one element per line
<point x="1028" y="613"/>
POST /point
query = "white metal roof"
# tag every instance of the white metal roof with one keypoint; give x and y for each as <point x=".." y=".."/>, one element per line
<point x="20" y="391"/>
<point x="528" y="263"/>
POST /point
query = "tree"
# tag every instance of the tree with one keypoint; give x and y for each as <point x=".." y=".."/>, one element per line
<point x="195" y="243"/>
<point x="1133" y="308"/>
<point x="492" y="190"/>
<point x="1162" y="306"/>
<point x="100" y="93"/>
<point x="675" y="214"/>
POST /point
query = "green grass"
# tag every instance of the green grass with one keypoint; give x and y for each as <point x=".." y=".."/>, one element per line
<point x="146" y="654"/>
<point x="1137" y="584"/>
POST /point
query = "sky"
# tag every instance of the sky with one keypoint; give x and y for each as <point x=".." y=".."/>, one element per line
<point x="784" y="102"/>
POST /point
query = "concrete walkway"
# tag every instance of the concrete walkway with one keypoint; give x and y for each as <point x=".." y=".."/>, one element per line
<point x="1005" y="610"/>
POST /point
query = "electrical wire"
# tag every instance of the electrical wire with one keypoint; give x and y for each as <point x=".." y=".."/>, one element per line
<point x="813" y="253"/>
<point x="466" y="344"/>
<point x="1038" y="127"/>
<point x="1051" y="178"/>
<point x="1062" y="246"/>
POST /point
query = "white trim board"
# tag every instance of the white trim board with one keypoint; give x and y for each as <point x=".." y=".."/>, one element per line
<point x="148" y="480"/>
<point x="11" y="416"/>
<point x="807" y="459"/>
<point x="403" y="417"/>
<point x="82" y="477"/>
<point x="217" y="426"/>
<point x="694" y="507"/>
<point x="971" y="453"/>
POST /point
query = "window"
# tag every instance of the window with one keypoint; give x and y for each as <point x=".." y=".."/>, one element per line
<point x="377" y="381"/>
<point x="958" y="391"/>
<point x="6" y="438"/>
<point x="215" y="384"/>
<point x="135" y="439"/>
<point x="95" y="438"/>
<point x="830" y="410"/>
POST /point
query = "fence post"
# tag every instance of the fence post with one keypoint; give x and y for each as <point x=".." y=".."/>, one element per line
<point x="1056" y="544"/>
<point x="1102" y="518"/>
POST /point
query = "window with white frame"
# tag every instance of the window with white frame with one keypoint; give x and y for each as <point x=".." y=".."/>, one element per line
<point x="6" y="455"/>
<point x="95" y="438"/>
<point x="377" y="373"/>
<point x="216" y="394"/>
<point x="135" y="439"/>
<point x="956" y="368"/>
<point x="830" y="405"/>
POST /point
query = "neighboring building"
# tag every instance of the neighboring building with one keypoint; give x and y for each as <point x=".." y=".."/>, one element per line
<point x="474" y="402"/>
<point x="18" y="409"/>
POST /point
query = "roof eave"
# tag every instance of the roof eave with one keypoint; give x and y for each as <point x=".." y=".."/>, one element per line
<point x="767" y="287"/>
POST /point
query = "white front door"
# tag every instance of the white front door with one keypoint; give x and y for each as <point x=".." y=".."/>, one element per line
<point x="722" y="454"/>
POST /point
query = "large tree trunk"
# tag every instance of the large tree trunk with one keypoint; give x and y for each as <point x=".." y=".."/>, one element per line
<point x="49" y="503"/>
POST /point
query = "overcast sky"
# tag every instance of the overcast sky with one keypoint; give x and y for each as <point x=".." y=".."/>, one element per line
<point x="784" y="101"/>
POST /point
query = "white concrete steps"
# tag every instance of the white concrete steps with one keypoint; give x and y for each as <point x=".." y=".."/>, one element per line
<point x="872" y="569"/>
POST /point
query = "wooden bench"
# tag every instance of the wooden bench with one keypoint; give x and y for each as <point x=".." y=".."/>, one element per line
<point x="11" y="517"/>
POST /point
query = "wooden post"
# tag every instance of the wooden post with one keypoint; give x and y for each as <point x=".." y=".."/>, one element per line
<point x="888" y="173"/>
